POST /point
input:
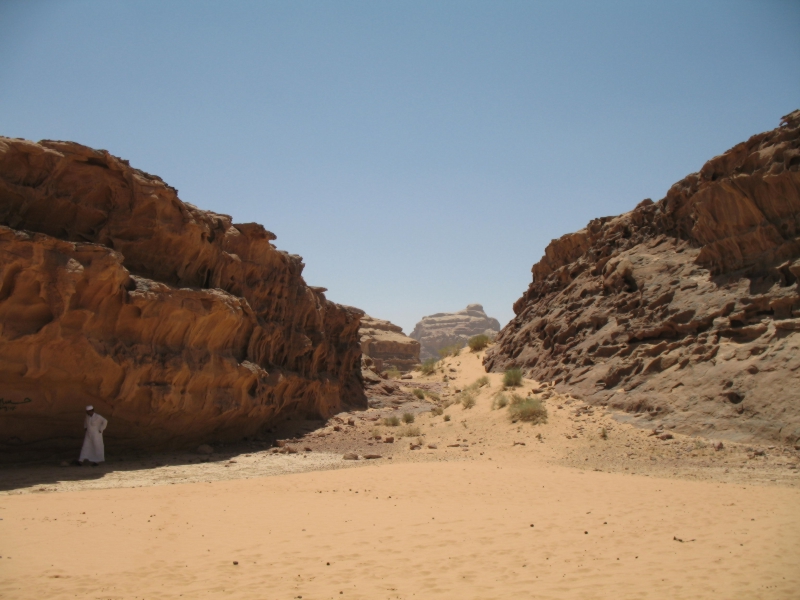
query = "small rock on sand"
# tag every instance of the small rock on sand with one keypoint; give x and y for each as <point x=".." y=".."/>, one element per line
<point x="350" y="456"/>
<point x="372" y="456"/>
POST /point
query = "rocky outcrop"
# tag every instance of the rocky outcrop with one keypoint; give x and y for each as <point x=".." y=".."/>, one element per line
<point x="445" y="329"/>
<point x="177" y="324"/>
<point x="686" y="310"/>
<point x="387" y="345"/>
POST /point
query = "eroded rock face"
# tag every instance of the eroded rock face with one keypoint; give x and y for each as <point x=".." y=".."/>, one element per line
<point x="685" y="311"/>
<point x="445" y="329"/>
<point x="387" y="345"/>
<point x="178" y="325"/>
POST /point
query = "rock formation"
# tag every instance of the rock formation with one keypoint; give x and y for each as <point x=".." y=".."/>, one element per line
<point x="686" y="310"/>
<point x="445" y="329"/>
<point x="387" y="345"/>
<point x="178" y="325"/>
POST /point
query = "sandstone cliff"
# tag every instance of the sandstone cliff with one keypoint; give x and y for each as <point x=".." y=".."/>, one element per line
<point x="685" y="311"/>
<point x="445" y="329"/>
<point x="387" y="345"/>
<point x="178" y="325"/>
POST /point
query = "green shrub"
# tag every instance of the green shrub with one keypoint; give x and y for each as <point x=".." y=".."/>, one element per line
<point x="451" y="350"/>
<point x="428" y="367"/>
<point x="529" y="409"/>
<point x="392" y="421"/>
<point x="512" y="378"/>
<point x="437" y="410"/>
<point x="478" y="342"/>
<point x="433" y="396"/>
<point x="517" y="399"/>
<point x="500" y="401"/>
<point x="418" y="393"/>
<point x="408" y="418"/>
<point x="481" y="381"/>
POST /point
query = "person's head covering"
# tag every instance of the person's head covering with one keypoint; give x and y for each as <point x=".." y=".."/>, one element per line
<point x="90" y="407"/>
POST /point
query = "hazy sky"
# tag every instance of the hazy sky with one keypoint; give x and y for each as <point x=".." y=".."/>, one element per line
<point x="418" y="155"/>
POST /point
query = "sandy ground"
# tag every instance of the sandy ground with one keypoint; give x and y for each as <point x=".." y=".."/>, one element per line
<point x="494" y="510"/>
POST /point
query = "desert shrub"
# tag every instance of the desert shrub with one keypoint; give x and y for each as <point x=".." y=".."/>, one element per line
<point x="392" y="421"/>
<point x="451" y="350"/>
<point x="512" y="378"/>
<point x="428" y="367"/>
<point x="481" y="381"/>
<point x="603" y="433"/>
<point x="517" y="399"/>
<point x="478" y="342"/>
<point x="529" y="409"/>
<point x="500" y="401"/>
<point x="433" y="396"/>
<point x="467" y="399"/>
<point x="408" y="418"/>
<point x="447" y="417"/>
<point x="437" y="410"/>
<point x="418" y="393"/>
<point x="409" y="431"/>
<point x="393" y="372"/>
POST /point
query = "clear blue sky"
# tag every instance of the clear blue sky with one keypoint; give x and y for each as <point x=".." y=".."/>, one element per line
<point x="418" y="155"/>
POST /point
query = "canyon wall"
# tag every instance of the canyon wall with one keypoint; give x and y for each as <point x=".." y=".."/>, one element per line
<point x="178" y="325"/>
<point x="684" y="312"/>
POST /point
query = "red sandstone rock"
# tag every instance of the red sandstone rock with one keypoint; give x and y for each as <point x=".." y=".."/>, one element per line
<point x="685" y="310"/>
<point x="178" y="325"/>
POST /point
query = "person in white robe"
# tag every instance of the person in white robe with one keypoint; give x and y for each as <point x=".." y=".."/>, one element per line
<point x="93" y="449"/>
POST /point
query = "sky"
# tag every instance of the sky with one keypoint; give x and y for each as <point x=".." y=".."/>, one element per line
<point x="421" y="155"/>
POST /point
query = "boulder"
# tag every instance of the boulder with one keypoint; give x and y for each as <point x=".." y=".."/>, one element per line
<point x="438" y="331"/>
<point x="683" y="310"/>
<point x="177" y="324"/>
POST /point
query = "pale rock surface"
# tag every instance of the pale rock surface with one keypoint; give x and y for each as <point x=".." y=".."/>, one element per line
<point x="445" y="329"/>
<point x="387" y="345"/>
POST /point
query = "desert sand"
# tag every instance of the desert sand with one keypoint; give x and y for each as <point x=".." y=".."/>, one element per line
<point x="496" y="510"/>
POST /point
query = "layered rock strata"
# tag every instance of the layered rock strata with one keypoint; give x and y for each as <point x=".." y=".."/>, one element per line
<point x="685" y="311"/>
<point x="438" y="331"/>
<point x="178" y="325"/>
<point x="387" y="345"/>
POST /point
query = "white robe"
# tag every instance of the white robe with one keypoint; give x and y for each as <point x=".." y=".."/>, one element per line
<point x="93" y="449"/>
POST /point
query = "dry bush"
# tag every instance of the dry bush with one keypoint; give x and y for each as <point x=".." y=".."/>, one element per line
<point x="447" y="417"/>
<point x="512" y="378"/>
<point x="500" y="401"/>
<point x="392" y="421"/>
<point x="451" y="350"/>
<point x="478" y="342"/>
<point x="437" y="410"/>
<point x="409" y="431"/>
<point x="467" y="399"/>
<point x="428" y="367"/>
<point x="393" y="372"/>
<point x="408" y="418"/>
<point x="481" y="381"/>
<point x="418" y="393"/>
<point x="530" y="410"/>
<point x="433" y="396"/>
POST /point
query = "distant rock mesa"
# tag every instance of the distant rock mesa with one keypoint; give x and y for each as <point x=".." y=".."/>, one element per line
<point x="685" y="311"/>
<point x="177" y="324"/>
<point x="444" y="329"/>
<point x="387" y="345"/>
